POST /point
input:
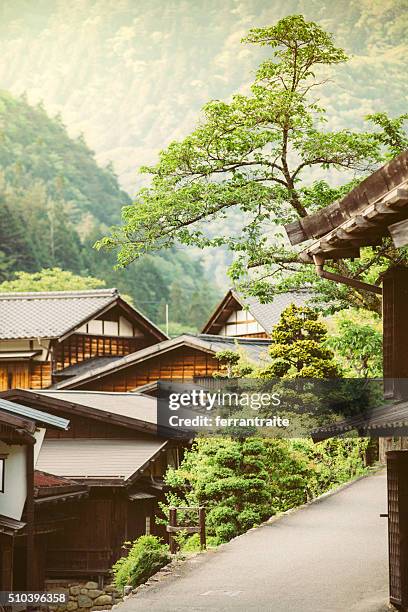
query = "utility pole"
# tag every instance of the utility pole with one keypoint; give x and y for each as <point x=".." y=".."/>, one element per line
<point x="167" y="319"/>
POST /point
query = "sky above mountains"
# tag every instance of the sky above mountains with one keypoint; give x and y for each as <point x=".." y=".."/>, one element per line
<point x="132" y="75"/>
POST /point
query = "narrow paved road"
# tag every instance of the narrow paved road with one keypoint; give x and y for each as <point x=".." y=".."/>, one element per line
<point x="328" y="557"/>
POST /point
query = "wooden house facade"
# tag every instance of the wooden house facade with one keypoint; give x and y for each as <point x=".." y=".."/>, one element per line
<point x="98" y="483"/>
<point x="48" y="337"/>
<point x="245" y="317"/>
<point x="22" y="432"/>
<point x="375" y="211"/>
<point x="185" y="358"/>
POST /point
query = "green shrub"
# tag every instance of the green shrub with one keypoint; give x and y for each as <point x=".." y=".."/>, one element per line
<point x="145" y="557"/>
<point x="243" y="482"/>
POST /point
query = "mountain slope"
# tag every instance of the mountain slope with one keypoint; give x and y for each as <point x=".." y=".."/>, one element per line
<point x="133" y="75"/>
<point x="55" y="202"/>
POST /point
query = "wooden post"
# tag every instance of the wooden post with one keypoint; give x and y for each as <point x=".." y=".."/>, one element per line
<point x="6" y="562"/>
<point x="395" y="324"/>
<point x="397" y="483"/>
<point x="30" y="586"/>
<point x="172" y="523"/>
<point x="201" y="520"/>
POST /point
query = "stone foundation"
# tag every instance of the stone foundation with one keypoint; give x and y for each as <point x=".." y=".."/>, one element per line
<point x="85" y="596"/>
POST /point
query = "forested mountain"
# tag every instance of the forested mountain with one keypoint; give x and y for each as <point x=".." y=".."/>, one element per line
<point x="133" y="74"/>
<point x="55" y="201"/>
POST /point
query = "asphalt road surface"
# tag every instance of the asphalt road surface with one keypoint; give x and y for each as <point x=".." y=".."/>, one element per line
<point x="328" y="557"/>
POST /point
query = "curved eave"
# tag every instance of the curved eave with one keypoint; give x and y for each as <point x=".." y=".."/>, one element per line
<point x="387" y="217"/>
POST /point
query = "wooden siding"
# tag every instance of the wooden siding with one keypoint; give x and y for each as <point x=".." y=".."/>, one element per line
<point x="79" y="347"/>
<point x="6" y="562"/>
<point x="24" y="375"/>
<point x="14" y="374"/>
<point x="395" y="303"/>
<point x="94" y="541"/>
<point x="179" y="364"/>
<point x="40" y="375"/>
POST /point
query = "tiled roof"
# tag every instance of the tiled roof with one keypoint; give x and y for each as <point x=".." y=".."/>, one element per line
<point x="268" y="315"/>
<point x="84" y="366"/>
<point x="49" y="488"/>
<point x="256" y="349"/>
<point x="96" y="458"/>
<point x="49" y="314"/>
<point x="44" y="480"/>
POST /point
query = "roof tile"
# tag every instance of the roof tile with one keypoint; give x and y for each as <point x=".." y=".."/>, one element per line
<point x="49" y="314"/>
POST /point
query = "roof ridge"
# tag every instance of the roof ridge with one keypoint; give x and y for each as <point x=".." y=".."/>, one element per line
<point x="59" y="294"/>
<point x="233" y="339"/>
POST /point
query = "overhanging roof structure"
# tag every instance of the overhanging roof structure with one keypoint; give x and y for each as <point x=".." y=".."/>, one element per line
<point x="98" y="459"/>
<point x="9" y="525"/>
<point x="51" y="489"/>
<point x="375" y="209"/>
<point x="267" y="315"/>
<point x="388" y="420"/>
<point x="33" y="415"/>
<point x="255" y="348"/>
<point x="57" y="314"/>
<point x="130" y="410"/>
<point x="130" y="405"/>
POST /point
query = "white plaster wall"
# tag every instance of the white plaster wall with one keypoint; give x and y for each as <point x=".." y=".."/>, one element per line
<point x="112" y="328"/>
<point x="125" y="328"/>
<point x="240" y="330"/>
<point x="13" y="499"/>
<point x="24" y="345"/>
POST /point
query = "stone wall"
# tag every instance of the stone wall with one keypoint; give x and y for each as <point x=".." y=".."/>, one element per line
<point x="85" y="596"/>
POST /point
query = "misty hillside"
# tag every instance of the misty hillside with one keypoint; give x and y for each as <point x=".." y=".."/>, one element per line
<point x="133" y="75"/>
<point x="55" y="201"/>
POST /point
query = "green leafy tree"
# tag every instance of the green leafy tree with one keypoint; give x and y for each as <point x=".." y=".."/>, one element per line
<point x="244" y="482"/>
<point x="51" y="279"/>
<point x="297" y="347"/>
<point x="16" y="246"/>
<point x="253" y="158"/>
<point x="356" y="340"/>
<point x="145" y="556"/>
<point x="233" y="364"/>
<point x="228" y="477"/>
<point x="54" y="202"/>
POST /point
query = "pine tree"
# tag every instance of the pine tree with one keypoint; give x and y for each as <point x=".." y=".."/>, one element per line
<point x="297" y="348"/>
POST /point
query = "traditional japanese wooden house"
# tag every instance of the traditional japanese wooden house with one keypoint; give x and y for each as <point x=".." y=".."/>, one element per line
<point x="48" y="337"/>
<point x="245" y="317"/>
<point x="375" y="211"/>
<point x="113" y="452"/>
<point x="185" y="358"/>
<point x="22" y="532"/>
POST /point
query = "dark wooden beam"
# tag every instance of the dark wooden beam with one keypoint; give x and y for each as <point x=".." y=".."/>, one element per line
<point x="392" y="177"/>
<point x="399" y="233"/>
<point x="6" y="562"/>
<point x="334" y="254"/>
<point x="395" y="329"/>
<point x="30" y="586"/>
